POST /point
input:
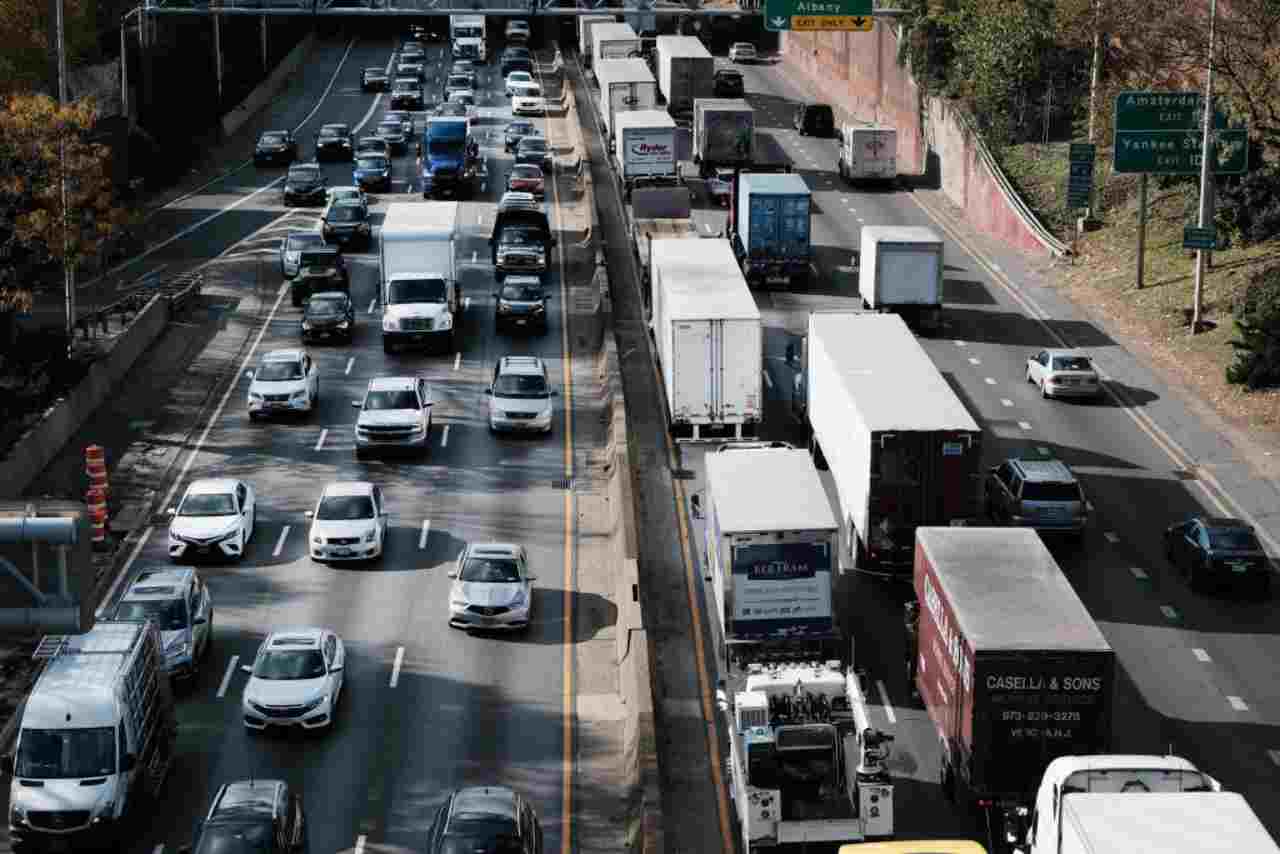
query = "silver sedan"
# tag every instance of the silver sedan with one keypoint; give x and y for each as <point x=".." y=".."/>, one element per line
<point x="1064" y="373"/>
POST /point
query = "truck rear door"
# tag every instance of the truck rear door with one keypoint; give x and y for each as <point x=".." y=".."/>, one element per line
<point x="694" y="370"/>
<point x="739" y="354"/>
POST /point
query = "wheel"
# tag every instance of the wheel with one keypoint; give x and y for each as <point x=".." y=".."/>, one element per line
<point x="253" y="416"/>
<point x="1028" y="376"/>
<point x="295" y="296"/>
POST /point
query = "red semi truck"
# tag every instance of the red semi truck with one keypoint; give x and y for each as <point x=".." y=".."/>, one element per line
<point x="1013" y="670"/>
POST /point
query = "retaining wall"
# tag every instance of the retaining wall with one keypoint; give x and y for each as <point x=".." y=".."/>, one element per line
<point x="267" y="89"/>
<point x="30" y="454"/>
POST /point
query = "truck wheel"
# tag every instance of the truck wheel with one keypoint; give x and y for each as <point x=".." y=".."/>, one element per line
<point x="948" y="782"/>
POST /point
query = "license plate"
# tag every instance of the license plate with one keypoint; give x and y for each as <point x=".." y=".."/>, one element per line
<point x="776" y="280"/>
<point x="277" y="406"/>
<point x="58" y="843"/>
<point x="1239" y="567"/>
<point x="521" y="322"/>
<point x="342" y="552"/>
<point x="204" y="550"/>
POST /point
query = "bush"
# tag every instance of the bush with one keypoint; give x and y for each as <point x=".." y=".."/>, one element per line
<point x="1257" y="325"/>
<point x="1249" y="204"/>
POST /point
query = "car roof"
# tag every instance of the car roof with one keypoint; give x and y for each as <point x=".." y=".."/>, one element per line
<point x="1077" y="354"/>
<point x="159" y="584"/>
<point x="528" y="365"/>
<point x="349" y="487"/>
<point x="244" y="798"/>
<point x="1044" y="471"/>
<point x="493" y="550"/>
<point x="329" y="295"/>
<point x="518" y="200"/>
<point x="293" y="355"/>
<point x="213" y="485"/>
<point x="335" y="126"/>
<point x="527" y="166"/>
<point x="307" y="637"/>
<point x="273" y="132"/>
<point x="393" y="383"/>
<point x="1223" y="522"/>
<point x="321" y="250"/>
<point x="485" y="800"/>
<point x="349" y="202"/>
<point x="524" y="280"/>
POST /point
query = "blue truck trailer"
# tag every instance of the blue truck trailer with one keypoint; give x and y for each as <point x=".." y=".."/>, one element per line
<point x="449" y="164"/>
<point x="770" y="230"/>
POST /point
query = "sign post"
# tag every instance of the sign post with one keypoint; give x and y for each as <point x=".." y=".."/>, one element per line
<point x="816" y="15"/>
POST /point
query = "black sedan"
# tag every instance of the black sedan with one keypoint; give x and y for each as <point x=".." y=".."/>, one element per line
<point x="1214" y="552"/>
<point x="304" y="185"/>
<point x="374" y="80"/>
<point x="275" y="146"/>
<point x="334" y="142"/>
<point x="392" y="132"/>
<point x="533" y="149"/>
<point x="328" y="315"/>
<point x="372" y="172"/>
<point x="728" y="83"/>
<point x="407" y="95"/>
<point x="346" y="225"/>
<point x="515" y="132"/>
<point x="521" y="303"/>
<point x="372" y="145"/>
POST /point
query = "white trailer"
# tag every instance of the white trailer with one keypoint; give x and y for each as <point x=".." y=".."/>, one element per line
<point x="686" y="71"/>
<point x="710" y="341"/>
<point x="419" y="282"/>
<point x="644" y="145"/>
<point x="586" y="23"/>
<point x="900" y="269"/>
<point x="625" y="84"/>
<point x="1170" y="823"/>
<point x="868" y="153"/>
<point x="613" y="41"/>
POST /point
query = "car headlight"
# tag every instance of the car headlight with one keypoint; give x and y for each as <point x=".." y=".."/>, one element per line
<point x="520" y="599"/>
<point x="301" y="394"/>
<point x="306" y="325"/>
<point x="344" y="324"/>
<point x="317" y="541"/>
<point x="445" y="321"/>
<point x="254" y="396"/>
<point x="540" y="307"/>
<point x="370" y="535"/>
<point x="389" y="324"/>
<point x="177" y="648"/>
<point x="17" y="814"/>
<point x="503" y="308"/>
<point x="323" y="698"/>
<point x="546" y="413"/>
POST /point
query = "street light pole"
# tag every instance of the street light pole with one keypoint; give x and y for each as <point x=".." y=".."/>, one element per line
<point x="124" y="56"/>
<point x="68" y="274"/>
<point x="1198" y="296"/>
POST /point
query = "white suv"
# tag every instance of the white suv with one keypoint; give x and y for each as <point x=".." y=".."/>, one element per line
<point x="520" y="396"/>
<point x="284" y="381"/>
<point x="517" y="32"/>
<point x="394" y="415"/>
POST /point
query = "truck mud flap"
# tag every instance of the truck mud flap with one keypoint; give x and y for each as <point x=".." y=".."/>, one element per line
<point x="691" y="433"/>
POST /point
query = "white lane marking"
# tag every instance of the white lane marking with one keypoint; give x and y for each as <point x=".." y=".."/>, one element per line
<point x="395" y="680"/>
<point x="974" y="361"/>
<point x="1004" y="401"/>
<point x="884" y="698"/>
<point x="284" y="535"/>
<point x="1112" y="537"/>
<point x="360" y="840"/>
<point x="1237" y="703"/>
<point x="479" y="219"/>
<point x="426" y="532"/>
<point x="457" y="361"/>
<point x="1139" y="573"/>
<point x="1201" y="655"/>
<point x="1024" y="425"/>
<point x="768" y="380"/>
<point x="159" y="849"/>
<point x="327" y="89"/>
<point x="1170" y="612"/>
<point x="707" y="226"/>
<point x="1088" y="505"/>
<point x="320" y="442"/>
<point x="989" y="380"/>
<point x="226" y="677"/>
<point x="474" y="256"/>
<point x="373" y="303"/>
<point x="961" y="344"/>
<point x="1275" y="756"/>
<point x="444" y="437"/>
<point x="350" y="362"/>
<point x="466" y="303"/>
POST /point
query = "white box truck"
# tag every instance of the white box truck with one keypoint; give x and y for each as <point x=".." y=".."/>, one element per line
<point x="686" y="70"/>
<point x="613" y="41"/>
<point x="1178" y="823"/>
<point x="419" y="282"/>
<point x="902" y="449"/>
<point x="95" y="741"/>
<point x="625" y="84"/>
<point x="868" y="153"/>
<point x="467" y="35"/>
<point x="586" y="23"/>
<point x="900" y="270"/>
<point x="644" y="146"/>
<point x="709" y="337"/>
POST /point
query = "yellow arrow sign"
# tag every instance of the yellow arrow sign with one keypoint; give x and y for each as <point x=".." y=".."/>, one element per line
<point x="848" y="23"/>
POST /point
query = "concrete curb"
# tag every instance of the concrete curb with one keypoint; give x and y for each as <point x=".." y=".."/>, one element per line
<point x="266" y="90"/>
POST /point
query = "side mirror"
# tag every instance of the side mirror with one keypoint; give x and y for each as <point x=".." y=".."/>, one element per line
<point x="452" y="574"/>
<point x="553" y="242"/>
<point x="532" y="577"/>
<point x="695" y="505"/>
<point x="555" y="392"/>
<point x="249" y="373"/>
<point x="172" y="511"/>
<point x="247" y="668"/>
<point x="128" y="762"/>
<point x="337" y="668"/>
<point x="310" y="514"/>
<point x="489" y="390"/>
<point x="356" y="404"/>
<point x="6" y="764"/>
<point x="200" y="621"/>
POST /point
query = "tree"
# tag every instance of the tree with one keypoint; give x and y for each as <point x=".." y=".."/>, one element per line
<point x="41" y="143"/>
<point x="1247" y="61"/>
<point x="25" y="42"/>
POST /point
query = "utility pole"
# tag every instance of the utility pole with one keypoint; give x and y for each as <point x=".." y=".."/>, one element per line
<point x="68" y="272"/>
<point x="1197" y="303"/>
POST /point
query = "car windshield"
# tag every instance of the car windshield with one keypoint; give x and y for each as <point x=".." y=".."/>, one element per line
<point x="1233" y="539"/>
<point x="236" y="838"/>
<point x="329" y="133"/>
<point x="519" y="128"/>
<point x="345" y="213"/>
<point x="1072" y="363"/>
<point x="1045" y="491"/>
<point x="279" y="371"/>
<point x="519" y="76"/>
<point x="403" y="291"/>
<point x="396" y="116"/>
<point x="495" y="570"/>
<point x="525" y="170"/>
<point x="64" y="754"/>
<point x="345" y="508"/>
<point x="340" y="130"/>
<point x="279" y="664"/>
<point x="459" y="81"/>
<point x="533" y="145"/>
<point x="320" y="260"/>
<point x="522" y="293"/>
<point x="530" y="386"/>
<point x="274" y="139"/>
<point x="374" y="163"/>
<point x="325" y="307"/>
<point x="208" y="504"/>
<point x="375" y="72"/>
<point x="309" y="174"/>
<point x="298" y="242"/>
<point x="169" y="615"/>
<point x="402" y="398"/>
<point x="391" y="128"/>
<point x="521" y="235"/>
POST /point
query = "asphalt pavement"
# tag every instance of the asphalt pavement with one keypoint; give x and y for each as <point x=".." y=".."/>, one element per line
<point x="425" y="708"/>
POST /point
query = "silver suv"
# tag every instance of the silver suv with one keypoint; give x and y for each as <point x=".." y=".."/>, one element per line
<point x="395" y="414"/>
<point x="1037" y="493"/>
<point x="177" y="601"/>
<point x="520" y="396"/>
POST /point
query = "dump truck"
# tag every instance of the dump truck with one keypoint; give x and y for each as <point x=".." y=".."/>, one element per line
<point x="686" y="72"/>
<point x="723" y="131"/>
<point x="771" y="228"/>
<point x="900" y="270"/>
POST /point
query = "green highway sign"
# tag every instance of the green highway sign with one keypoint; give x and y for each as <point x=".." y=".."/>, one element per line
<point x="817" y="14"/>
<point x="1160" y="133"/>
<point x="1080" y="179"/>
<point x="1200" y="238"/>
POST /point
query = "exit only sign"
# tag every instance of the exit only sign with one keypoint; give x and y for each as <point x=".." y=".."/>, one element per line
<point x="782" y="15"/>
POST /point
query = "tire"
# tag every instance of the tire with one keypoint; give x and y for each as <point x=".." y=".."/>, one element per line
<point x="1043" y="392"/>
<point x="253" y="416"/>
<point x="295" y="296"/>
<point x="361" y="456"/>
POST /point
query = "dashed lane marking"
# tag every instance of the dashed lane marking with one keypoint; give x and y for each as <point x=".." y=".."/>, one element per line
<point x="474" y="256"/>
<point x="426" y="533"/>
<point x="1201" y="655"/>
<point x="1004" y="401"/>
<point x="1139" y="574"/>
<point x="361" y="839"/>
<point x="1025" y="425"/>
<point x="989" y="380"/>
<point x="1274" y="755"/>
<point x="1237" y="703"/>
<point x="466" y="303"/>
<point x="768" y="380"/>
<point x="1112" y="537"/>
<point x="444" y="437"/>
<point x="284" y="535"/>
<point x="884" y="698"/>
<point x="350" y="362"/>
<point x="961" y="343"/>
<point x="320" y="442"/>
<point x="974" y="360"/>
<point x="457" y="360"/>
<point x="373" y="303"/>
<point x="395" y="680"/>
<point x="1170" y="612"/>
<point x="226" y="677"/>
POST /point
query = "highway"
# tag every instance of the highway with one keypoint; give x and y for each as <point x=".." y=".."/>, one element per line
<point x="1200" y="673"/>
<point x="425" y="708"/>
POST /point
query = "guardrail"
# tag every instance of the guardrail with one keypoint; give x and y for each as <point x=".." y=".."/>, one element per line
<point x="179" y="291"/>
<point x="416" y="8"/>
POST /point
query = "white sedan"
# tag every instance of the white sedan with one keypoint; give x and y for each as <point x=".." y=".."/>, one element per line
<point x="1064" y="373"/>
<point x="348" y="523"/>
<point x="215" y="518"/>
<point x="295" y="680"/>
<point x="519" y="79"/>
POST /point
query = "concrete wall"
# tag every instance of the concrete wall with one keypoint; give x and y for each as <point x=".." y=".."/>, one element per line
<point x="859" y="74"/>
<point x="28" y="457"/>
<point x="266" y="90"/>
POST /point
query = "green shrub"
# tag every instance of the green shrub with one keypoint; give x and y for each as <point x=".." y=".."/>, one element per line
<point x="1257" y="325"/>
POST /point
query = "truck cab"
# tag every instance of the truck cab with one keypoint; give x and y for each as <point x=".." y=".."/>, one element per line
<point x="467" y="35"/>
<point x="521" y="241"/>
<point x="446" y="162"/>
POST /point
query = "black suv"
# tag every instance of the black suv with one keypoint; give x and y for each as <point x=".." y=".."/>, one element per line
<point x="728" y="83"/>
<point x="814" y="120"/>
<point x="329" y="315"/>
<point x="252" y="817"/>
<point x="319" y="269"/>
<point x="521" y="303"/>
<point x="305" y="185"/>
<point x="485" y="820"/>
<point x="334" y="142"/>
<point x="346" y="224"/>
<point x="406" y="94"/>
<point x="275" y="146"/>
